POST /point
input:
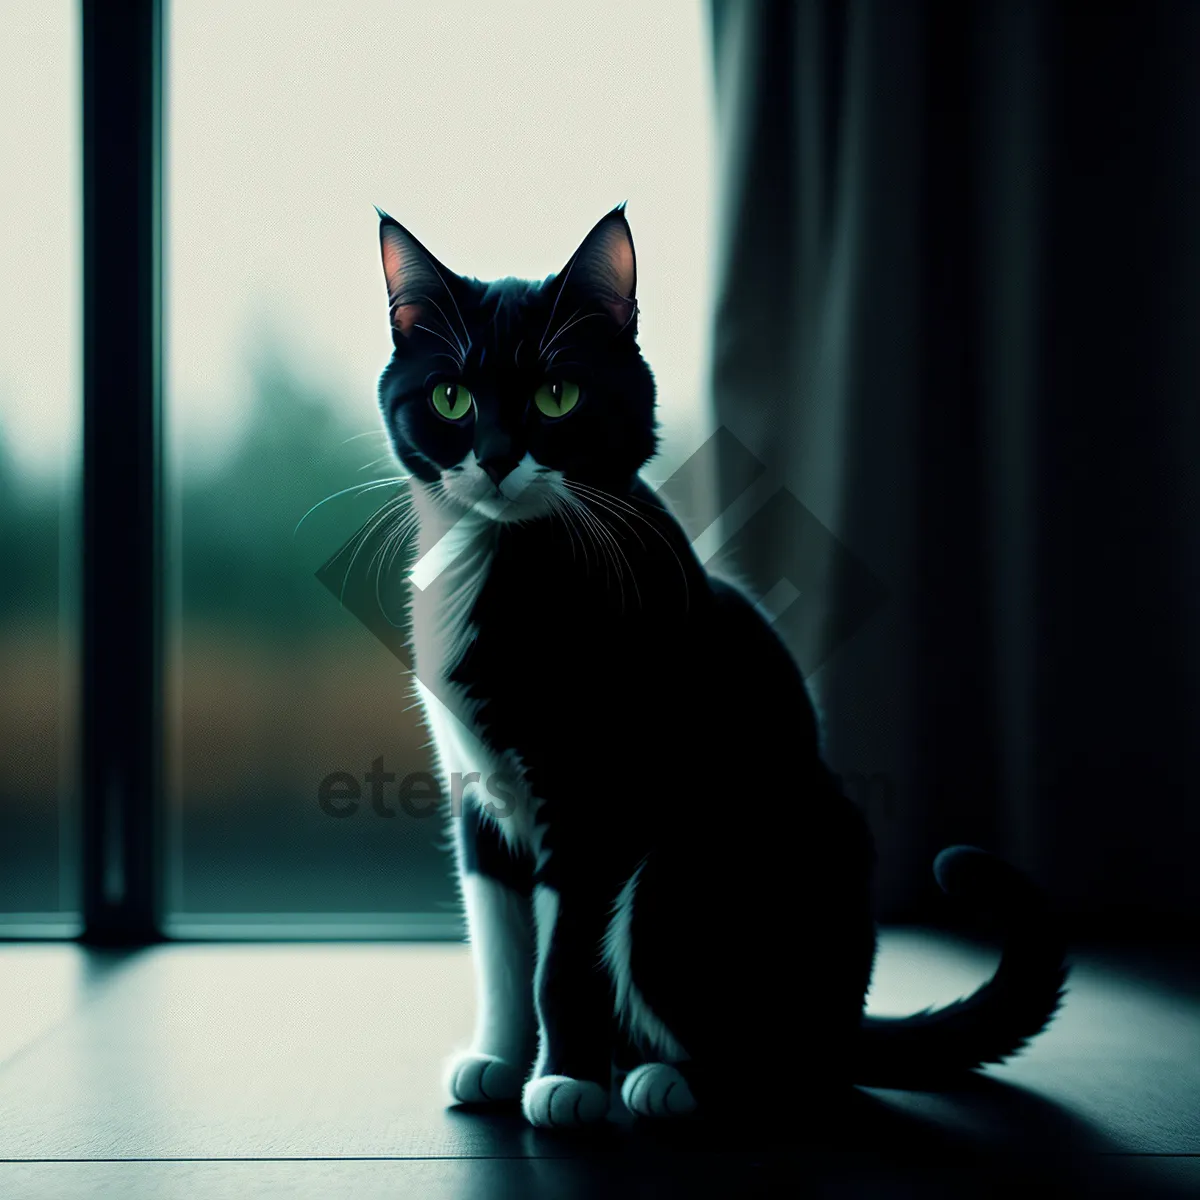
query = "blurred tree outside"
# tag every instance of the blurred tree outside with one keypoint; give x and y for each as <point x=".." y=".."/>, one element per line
<point x="271" y="685"/>
<point x="275" y="687"/>
<point x="36" y="730"/>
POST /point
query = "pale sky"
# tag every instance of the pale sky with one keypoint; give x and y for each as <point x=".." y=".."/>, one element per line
<point x="498" y="133"/>
<point x="39" y="232"/>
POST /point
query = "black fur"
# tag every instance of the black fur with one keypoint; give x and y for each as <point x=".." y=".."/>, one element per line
<point x="666" y="730"/>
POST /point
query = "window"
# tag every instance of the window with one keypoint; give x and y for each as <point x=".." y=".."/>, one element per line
<point x="39" y="467"/>
<point x="286" y="122"/>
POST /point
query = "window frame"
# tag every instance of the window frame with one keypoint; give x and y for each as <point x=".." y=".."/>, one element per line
<point x="121" y="767"/>
<point x="120" y="847"/>
<point x="124" y="819"/>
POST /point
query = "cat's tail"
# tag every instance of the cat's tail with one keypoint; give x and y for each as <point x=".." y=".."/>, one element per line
<point x="996" y="1020"/>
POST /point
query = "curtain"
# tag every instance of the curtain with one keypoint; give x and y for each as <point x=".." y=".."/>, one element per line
<point x="958" y="320"/>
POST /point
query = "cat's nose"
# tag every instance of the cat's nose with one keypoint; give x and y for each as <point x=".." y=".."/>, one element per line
<point x="497" y="468"/>
<point x="495" y="453"/>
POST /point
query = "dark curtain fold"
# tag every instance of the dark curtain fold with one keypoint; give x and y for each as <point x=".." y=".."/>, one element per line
<point x="958" y="318"/>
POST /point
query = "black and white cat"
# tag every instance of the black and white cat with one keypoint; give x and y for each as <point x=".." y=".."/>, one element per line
<point x="659" y="871"/>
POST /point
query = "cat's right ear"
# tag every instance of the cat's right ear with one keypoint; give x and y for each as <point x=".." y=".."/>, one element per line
<point x="418" y="285"/>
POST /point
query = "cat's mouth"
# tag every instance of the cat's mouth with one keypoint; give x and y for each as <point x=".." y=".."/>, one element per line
<point x="498" y="507"/>
<point x="523" y="495"/>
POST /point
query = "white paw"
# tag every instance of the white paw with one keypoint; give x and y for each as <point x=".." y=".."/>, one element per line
<point x="482" y="1079"/>
<point x="560" y="1102"/>
<point x="657" y="1090"/>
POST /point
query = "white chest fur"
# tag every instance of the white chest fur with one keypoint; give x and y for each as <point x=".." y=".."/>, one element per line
<point x="450" y="573"/>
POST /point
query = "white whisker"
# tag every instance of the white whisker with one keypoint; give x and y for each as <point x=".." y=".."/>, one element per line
<point x="466" y="332"/>
<point x="376" y="461"/>
<point x="363" y="488"/>
<point x="379" y="517"/>
<point x="570" y="324"/>
<point x="584" y="490"/>
<point x="444" y="338"/>
<point x="462" y="349"/>
<point x="554" y="306"/>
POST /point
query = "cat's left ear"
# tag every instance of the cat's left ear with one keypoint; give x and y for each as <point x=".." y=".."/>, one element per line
<point x="604" y="268"/>
<point x="419" y="287"/>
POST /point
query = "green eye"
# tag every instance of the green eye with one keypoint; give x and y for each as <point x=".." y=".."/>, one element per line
<point x="451" y="400"/>
<point x="556" y="399"/>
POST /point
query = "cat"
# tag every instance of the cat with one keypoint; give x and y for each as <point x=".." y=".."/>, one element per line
<point x="664" y="884"/>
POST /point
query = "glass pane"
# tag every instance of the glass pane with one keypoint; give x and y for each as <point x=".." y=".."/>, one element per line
<point x="498" y="134"/>
<point x="39" y="466"/>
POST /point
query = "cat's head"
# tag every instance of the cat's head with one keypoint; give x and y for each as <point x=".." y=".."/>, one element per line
<point x="502" y="397"/>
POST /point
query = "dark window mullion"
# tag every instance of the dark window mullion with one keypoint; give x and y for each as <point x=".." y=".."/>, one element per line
<point x="122" y="628"/>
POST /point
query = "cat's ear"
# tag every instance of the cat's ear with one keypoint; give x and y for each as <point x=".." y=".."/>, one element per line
<point x="418" y="285"/>
<point x="604" y="268"/>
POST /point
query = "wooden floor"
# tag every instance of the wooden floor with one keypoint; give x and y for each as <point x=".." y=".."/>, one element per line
<point x="313" y="1070"/>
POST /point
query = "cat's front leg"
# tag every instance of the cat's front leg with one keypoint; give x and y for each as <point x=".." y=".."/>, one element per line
<point x="496" y="887"/>
<point x="572" y="1077"/>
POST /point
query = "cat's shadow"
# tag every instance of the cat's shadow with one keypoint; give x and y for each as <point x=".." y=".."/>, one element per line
<point x="989" y="1134"/>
